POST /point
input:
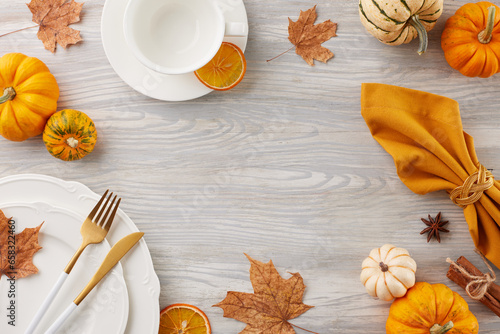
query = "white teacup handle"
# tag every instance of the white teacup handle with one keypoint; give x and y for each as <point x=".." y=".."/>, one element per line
<point x="236" y="29"/>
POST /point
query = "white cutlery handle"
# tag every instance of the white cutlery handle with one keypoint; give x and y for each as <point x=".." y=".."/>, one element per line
<point x="46" y="303"/>
<point x="62" y="318"/>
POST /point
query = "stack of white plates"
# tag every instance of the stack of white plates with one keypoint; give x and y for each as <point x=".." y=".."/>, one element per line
<point x="126" y="301"/>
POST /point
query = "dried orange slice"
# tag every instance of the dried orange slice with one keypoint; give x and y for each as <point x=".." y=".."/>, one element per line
<point x="225" y="70"/>
<point x="183" y="319"/>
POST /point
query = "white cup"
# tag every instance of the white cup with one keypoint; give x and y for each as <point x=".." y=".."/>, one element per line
<point x="176" y="36"/>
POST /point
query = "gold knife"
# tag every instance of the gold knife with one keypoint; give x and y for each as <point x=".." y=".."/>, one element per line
<point x="114" y="255"/>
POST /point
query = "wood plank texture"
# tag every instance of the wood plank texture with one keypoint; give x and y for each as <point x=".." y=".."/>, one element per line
<point x="282" y="167"/>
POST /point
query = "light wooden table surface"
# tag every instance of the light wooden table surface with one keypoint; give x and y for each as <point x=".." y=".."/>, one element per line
<point x="282" y="167"/>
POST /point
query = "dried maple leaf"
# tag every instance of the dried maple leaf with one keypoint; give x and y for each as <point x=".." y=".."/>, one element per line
<point x="275" y="301"/>
<point x="307" y="37"/>
<point x="54" y="16"/>
<point x="19" y="263"/>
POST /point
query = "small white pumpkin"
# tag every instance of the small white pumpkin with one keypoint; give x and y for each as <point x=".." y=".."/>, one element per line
<point x="388" y="272"/>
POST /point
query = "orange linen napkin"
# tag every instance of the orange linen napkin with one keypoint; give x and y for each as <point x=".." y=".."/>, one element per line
<point x="423" y="133"/>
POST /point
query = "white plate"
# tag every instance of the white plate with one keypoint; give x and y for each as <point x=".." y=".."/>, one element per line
<point x="105" y="310"/>
<point x="142" y="283"/>
<point x="148" y="82"/>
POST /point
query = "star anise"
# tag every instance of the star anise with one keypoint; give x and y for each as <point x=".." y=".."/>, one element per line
<point x="434" y="227"/>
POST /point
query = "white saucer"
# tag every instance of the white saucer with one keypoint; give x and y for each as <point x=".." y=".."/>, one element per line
<point x="148" y="82"/>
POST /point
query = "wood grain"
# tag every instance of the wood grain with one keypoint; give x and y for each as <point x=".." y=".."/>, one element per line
<point x="282" y="167"/>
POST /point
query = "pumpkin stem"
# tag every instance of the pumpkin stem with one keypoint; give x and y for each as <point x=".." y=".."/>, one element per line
<point x="486" y="35"/>
<point x="384" y="267"/>
<point x="437" y="329"/>
<point x="71" y="141"/>
<point x="8" y="94"/>
<point x="422" y="33"/>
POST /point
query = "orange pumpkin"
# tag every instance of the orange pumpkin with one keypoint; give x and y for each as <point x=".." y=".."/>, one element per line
<point x="471" y="40"/>
<point x="30" y="94"/>
<point x="433" y="309"/>
<point x="69" y="135"/>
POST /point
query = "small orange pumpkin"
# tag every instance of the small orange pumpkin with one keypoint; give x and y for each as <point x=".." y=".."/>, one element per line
<point x="471" y="40"/>
<point x="30" y="94"/>
<point x="434" y="309"/>
<point x="69" y="135"/>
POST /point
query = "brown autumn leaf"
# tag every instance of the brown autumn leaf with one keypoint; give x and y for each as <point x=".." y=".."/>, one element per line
<point x="17" y="263"/>
<point x="54" y="16"/>
<point x="308" y="37"/>
<point x="275" y="301"/>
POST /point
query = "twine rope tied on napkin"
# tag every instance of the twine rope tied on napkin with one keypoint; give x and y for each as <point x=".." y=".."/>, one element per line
<point x="478" y="285"/>
<point x="473" y="188"/>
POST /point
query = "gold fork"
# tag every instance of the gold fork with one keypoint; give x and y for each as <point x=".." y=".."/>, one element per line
<point x="94" y="229"/>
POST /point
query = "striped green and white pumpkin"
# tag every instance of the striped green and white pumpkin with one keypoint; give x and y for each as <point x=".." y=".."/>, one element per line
<point x="69" y="135"/>
<point x="395" y="22"/>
